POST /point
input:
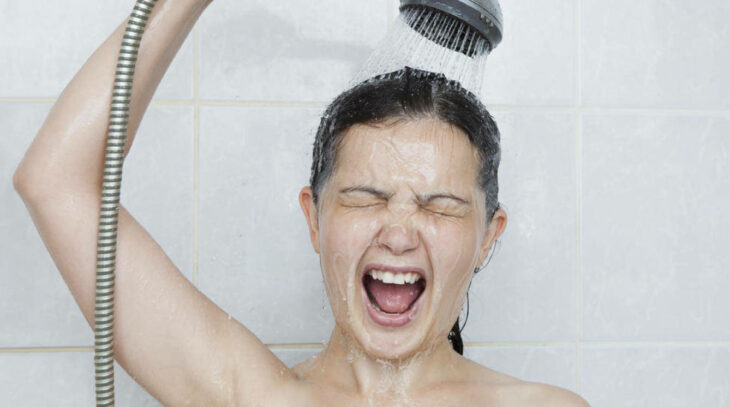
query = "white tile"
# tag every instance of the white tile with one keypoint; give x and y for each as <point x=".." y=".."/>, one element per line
<point x="654" y="232"/>
<point x="555" y="365"/>
<point x="286" y="50"/>
<point x="661" y="375"/>
<point x="45" y="43"/>
<point x="157" y="183"/>
<point x="527" y="292"/>
<point x="292" y="357"/>
<point x="61" y="379"/>
<point x="256" y="260"/>
<point x="656" y="53"/>
<point x="36" y="307"/>
<point x="278" y="59"/>
<point x="535" y="62"/>
<point x="393" y="10"/>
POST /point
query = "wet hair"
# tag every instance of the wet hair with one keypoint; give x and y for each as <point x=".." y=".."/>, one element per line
<point x="410" y="94"/>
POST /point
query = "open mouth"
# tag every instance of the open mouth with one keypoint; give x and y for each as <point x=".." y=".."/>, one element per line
<point x="392" y="295"/>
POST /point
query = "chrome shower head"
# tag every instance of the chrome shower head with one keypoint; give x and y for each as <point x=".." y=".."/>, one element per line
<point x="453" y="23"/>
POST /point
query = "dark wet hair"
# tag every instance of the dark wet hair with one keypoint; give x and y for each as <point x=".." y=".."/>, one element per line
<point x="411" y="94"/>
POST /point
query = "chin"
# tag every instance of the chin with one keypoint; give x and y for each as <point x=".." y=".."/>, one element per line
<point x="386" y="342"/>
<point x="390" y="345"/>
<point x="387" y="327"/>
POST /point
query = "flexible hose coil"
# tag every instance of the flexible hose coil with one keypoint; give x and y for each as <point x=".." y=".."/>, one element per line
<point x="106" y="247"/>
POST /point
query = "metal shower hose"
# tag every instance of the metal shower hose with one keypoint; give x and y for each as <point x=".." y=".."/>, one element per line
<point x="106" y="247"/>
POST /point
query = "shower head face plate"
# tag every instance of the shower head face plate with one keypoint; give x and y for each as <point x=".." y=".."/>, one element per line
<point x="483" y="16"/>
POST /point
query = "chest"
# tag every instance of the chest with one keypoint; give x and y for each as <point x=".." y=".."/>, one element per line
<point x="319" y="396"/>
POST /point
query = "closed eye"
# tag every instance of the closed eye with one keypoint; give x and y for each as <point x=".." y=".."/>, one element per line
<point x="446" y="205"/>
<point x="361" y="205"/>
<point x="362" y="197"/>
<point x="442" y="213"/>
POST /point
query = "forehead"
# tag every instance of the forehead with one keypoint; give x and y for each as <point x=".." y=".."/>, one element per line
<point x="425" y="152"/>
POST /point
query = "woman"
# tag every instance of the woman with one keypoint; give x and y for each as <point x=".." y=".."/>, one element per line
<point x="402" y="210"/>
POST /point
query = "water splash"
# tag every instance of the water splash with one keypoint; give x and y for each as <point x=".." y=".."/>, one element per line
<point x="396" y="376"/>
<point x="429" y="40"/>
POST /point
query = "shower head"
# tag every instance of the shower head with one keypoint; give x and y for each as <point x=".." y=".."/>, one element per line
<point x="455" y="24"/>
<point x="449" y="37"/>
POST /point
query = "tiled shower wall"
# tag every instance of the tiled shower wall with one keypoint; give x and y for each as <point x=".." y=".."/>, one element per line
<point x="612" y="277"/>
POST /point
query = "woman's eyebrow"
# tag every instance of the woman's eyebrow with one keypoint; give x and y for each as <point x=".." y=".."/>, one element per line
<point x="421" y="198"/>
<point x="432" y="197"/>
<point x="367" y="189"/>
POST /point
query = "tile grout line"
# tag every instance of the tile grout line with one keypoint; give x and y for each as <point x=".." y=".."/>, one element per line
<point x="579" y="251"/>
<point x="320" y="104"/>
<point x="615" y="343"/>
<point x="389" y="16"/>
<point x="262" y="103"/>
<point x="579" y="199"/>
<point x="26" y="100"/>
<point x="496" y="344"/>
<point x="196" y="150"/>
<point x="295" y="346"/>
<point x="49" y="349"/>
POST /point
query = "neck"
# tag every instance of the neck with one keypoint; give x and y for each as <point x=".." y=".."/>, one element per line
<point x="344" y="363"/>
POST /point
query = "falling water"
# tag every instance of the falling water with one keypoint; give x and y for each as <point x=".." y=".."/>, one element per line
<point x="429" y="40"/>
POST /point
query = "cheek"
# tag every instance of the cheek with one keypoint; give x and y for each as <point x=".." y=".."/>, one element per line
<point x="451" y="244"/>
<point x="344" y="240"/>
<point x="453" y="252"/>
<point x="348" y="235"/>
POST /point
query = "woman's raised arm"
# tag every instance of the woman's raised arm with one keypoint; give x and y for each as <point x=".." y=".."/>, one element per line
<point x="67" y="153"/>
<point x="176" y="343"/>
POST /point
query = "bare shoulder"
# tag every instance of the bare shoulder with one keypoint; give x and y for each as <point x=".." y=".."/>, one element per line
<point x="545" y="395"/>
<point x="510" y="391"/>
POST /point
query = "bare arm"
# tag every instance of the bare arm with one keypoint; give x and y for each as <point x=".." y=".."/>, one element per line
<point x="74" y="130"/>
<point x="177" y="343"/>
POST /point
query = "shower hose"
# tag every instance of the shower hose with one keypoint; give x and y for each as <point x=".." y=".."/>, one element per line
<point x="106" y="247"/>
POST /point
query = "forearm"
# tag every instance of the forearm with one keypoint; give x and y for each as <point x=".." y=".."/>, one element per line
<point x="68" y="151"/>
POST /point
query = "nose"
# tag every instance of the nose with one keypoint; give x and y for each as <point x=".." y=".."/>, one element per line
<point x="398" y="238"/>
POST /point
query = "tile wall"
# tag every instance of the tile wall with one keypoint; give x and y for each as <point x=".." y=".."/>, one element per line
<point x="611" y="280"/>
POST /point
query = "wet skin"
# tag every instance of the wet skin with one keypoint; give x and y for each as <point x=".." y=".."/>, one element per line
<point x="404" y="193"/>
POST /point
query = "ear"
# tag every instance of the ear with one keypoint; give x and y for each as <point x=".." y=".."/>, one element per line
<point x="306" y="201"/>
<point x="494" y="231"/>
